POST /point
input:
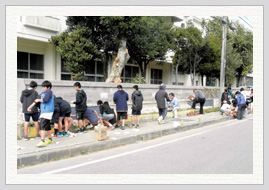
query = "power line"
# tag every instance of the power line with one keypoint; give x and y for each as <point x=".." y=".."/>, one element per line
<point x="245" y="21"/>
<point x="248" y="19"/>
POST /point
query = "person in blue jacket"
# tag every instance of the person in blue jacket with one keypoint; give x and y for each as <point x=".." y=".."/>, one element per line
<point x="120" y="99"/>
<point x="46" y="100"/>
<point x="241" y="105"/>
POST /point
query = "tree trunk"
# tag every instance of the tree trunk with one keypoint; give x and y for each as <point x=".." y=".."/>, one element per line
<point x="191" y="72"/>
<point x="238" y="80"/>
<point x="118" y="64"/>
<point x="105" y="64"/>
<point x="194" y="84"/>
<point x="176" y="73"/>
<point x="144" y="69"/>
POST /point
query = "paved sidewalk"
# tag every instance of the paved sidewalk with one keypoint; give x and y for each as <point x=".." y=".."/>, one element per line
<point x="63" y="147"/>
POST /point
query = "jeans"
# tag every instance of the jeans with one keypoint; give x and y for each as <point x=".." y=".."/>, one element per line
<point x="163" y="112"/>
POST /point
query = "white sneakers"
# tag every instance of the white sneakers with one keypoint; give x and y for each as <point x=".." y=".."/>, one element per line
<point x="175" y="113"/>
<point x="160" y="119"/>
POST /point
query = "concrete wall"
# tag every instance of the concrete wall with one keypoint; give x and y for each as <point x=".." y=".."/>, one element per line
<point x="105" y="91"/>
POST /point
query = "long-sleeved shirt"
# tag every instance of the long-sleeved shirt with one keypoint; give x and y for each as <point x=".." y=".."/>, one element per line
<point x="121" y="98"/>
<point x="199" y="95"/>
<point x="174" y="102"/>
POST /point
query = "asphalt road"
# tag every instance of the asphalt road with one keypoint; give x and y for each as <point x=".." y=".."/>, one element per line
<point x="223" y="148"/>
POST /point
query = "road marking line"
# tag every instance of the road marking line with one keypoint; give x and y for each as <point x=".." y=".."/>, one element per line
<point x="138" y="150"/>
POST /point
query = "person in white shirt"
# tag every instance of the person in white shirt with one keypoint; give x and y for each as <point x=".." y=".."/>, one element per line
<point x="248" y="95"/>
<point x="225" y="108"/>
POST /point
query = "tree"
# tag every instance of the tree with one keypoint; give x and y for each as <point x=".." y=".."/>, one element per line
<point x="76" y="51"/>
<point x="233" y="61"/>
<point x="109" y="34"/>
<point x="98" y="35"/>
<point x="243" y="44"/>
<point x="210" y="64"/>
<point x="192" y="52"/>
<point x="239" y="50"/>
<point x="122" y="28"/>
<point x="150" y="40"/>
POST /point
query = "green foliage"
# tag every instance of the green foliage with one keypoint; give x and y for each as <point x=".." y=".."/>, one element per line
<point x="189" y="49"/>
<point x="239" y="49"/>
<point x="105" y="32"/>
<point x="76" y="51"/>
<point x="233" y="61"/>
<point x="138" y="79"/>
<point x="150" y="40"/>
<point x="209" y="110"/>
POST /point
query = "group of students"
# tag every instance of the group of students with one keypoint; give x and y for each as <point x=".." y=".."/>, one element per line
<point x="56" y="110"/>
<point x="51" y="109"/>
<point x="242" y="99"/>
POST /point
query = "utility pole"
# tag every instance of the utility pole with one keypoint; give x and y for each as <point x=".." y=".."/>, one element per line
<point x="223" y="55"/>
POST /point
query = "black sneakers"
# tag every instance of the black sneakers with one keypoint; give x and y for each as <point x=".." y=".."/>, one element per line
<point x="80" y="130"/>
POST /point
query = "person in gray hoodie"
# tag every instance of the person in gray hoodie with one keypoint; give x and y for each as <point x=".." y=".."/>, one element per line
<point x="28" y="96"/>
<point x="137" y="99"/>
<point x="162" y="98"/>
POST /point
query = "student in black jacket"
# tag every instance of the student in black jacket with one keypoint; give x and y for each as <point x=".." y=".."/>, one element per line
<point x="224" y="97"/>
<point x="137" y="99"/>
<point x="28" y="96"/>
<point x="107" y="114"/>
<point x="81" y="106"/>
<point x="65" y="111"/>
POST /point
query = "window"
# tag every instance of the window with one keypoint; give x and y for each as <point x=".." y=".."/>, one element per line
<point x="156" y="76"/>
<point x="94" y="72"/>
<point x="30" y="65"/>
<point x="210" y="81"/>
<point x="128" y="73"/>
<point x="179" y="83"/>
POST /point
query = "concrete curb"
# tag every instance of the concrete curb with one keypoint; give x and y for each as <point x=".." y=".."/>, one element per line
<point x="82" y="149"/>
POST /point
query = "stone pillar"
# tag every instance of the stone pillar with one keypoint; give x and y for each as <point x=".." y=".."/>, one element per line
<point x="49" y="63"/>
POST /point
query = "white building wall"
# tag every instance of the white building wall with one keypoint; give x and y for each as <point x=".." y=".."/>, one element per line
<point x="49" y="63"/>
<point x="33" y="34"/>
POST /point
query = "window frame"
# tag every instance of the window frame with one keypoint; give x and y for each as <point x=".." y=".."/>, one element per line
<point x="86" y="75"/>
<point x="155" y="80"/>
<point x="123" y="78"/>
<point x="29" y="71"/>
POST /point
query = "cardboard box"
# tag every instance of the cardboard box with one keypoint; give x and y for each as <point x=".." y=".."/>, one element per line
<point x="191" y="97"/>
<point x="100" y="133"/>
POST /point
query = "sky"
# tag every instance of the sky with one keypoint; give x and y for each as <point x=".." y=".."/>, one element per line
<point x="247" y="21"/>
